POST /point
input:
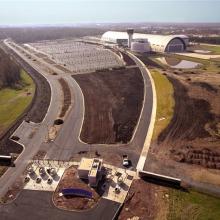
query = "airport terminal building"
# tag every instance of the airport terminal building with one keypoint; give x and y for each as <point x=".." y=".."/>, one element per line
<point x="148" y="42"/>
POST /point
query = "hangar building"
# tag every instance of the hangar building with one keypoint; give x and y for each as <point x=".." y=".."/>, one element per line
<point x="158" y="43"/>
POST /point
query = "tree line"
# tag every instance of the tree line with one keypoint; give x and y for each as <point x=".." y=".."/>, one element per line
<point x="9" y="71"/>
<point x="208" y="40"/>
<point x="33" y="34"/>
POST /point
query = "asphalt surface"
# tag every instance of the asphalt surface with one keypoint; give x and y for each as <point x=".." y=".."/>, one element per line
<point x="67" y="142"/>
<point x="32" y="145"/>
<point x="38" y="205"/>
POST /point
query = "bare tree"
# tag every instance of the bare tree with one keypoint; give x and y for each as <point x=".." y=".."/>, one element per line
<point x="9" y="71"/>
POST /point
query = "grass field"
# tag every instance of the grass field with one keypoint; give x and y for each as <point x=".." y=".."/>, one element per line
<point x="213" y="49"/>
<point x="193" y="206"/>
<point x="165" y="102"/>
<point x="14" y="101"/>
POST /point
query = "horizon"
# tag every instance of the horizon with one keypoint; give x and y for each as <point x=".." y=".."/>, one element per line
<point x="70" y="13"/>
<point x="107" y="23"/>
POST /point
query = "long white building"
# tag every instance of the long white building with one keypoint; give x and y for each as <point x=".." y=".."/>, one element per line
<point x="157" y="43"/>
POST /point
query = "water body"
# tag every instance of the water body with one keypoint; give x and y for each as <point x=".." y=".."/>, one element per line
<point x="202" y="51"/>
<point x="178" y="63"/>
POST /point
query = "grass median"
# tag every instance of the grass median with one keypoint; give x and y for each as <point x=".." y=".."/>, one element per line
<point x="165" y="102"/>
<point x="13" y="102"/>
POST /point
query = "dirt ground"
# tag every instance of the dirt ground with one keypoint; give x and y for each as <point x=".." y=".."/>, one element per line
<point x="146" y="201"/>
<point x="2" y="169"/>
<point x="128" y="60"/>
<point x="70" y="180"/>
<point x="67" y="97"/>
<point x="108" y="156"/>
<point x="113" y="101"/>
<point x="150" y="63"/>
<point x="193" y="135"/>
<point x="191" y="114"/>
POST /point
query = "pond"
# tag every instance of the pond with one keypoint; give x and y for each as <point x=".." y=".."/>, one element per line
<point x="178" y="63"/>
<point x="202" y="51"/>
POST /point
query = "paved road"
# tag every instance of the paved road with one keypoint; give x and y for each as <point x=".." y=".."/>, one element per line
<point x="32" y="145"/>
<point x="37" y="205"/>
<point x="67" y="143"/>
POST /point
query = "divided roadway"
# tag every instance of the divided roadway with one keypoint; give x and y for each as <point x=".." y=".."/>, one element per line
<point x="67" y="143"/>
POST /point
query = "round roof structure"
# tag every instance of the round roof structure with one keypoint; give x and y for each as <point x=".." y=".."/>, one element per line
<point x="158" y="43"/>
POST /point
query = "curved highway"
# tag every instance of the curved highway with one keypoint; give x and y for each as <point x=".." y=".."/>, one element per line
<point x="66" y="144"/>
<point x="31" y="146"/>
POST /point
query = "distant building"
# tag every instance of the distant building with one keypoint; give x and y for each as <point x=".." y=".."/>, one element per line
<point x="140" y="46"/>
<point x="157" y="43"/>
<point x="90" y="169"/>
<point x="130" y="33"/>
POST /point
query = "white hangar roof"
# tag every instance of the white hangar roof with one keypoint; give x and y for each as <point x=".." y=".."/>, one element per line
<point x="154" y="40"/>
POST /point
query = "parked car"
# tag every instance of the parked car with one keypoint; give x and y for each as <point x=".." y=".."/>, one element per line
<point x="125" y="161"/>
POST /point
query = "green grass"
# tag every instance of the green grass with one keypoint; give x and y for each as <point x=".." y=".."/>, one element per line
<point x="13" y="102"/>
<point x="213" y="49"/>
<point x="193" y="59"/>
<point x="193" y="206"/>
<point x="165" y="102"/>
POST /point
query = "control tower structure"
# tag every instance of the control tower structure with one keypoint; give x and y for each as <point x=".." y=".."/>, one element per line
<point x="130" y="32"/>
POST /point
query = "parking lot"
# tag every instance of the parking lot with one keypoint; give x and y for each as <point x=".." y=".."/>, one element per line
<point x="77" y="56"/>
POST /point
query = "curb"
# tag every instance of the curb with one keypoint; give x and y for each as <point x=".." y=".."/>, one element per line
<point x="143" y="156"/>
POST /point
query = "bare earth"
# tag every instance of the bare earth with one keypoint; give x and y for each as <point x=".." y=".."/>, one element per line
<point x="146" y="201"/>
<point x="193" y="135"/>
<point x="70" y="180"/>
<point x="113" y="101"/>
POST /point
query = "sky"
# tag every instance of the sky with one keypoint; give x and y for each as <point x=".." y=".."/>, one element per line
<point x="58" y="12"/>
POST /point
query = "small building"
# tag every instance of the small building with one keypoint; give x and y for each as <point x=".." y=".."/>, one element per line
<point x="90" y="169"/>
<point x="140" y="46"/>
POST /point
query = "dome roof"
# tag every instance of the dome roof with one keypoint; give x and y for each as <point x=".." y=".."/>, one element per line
<point x="152" y="38"/>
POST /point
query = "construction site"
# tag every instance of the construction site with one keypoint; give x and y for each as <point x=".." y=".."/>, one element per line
<point x="121" y="126"/>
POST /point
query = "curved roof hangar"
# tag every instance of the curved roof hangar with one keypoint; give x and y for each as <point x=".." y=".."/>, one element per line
<point x="158" y="43"/>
